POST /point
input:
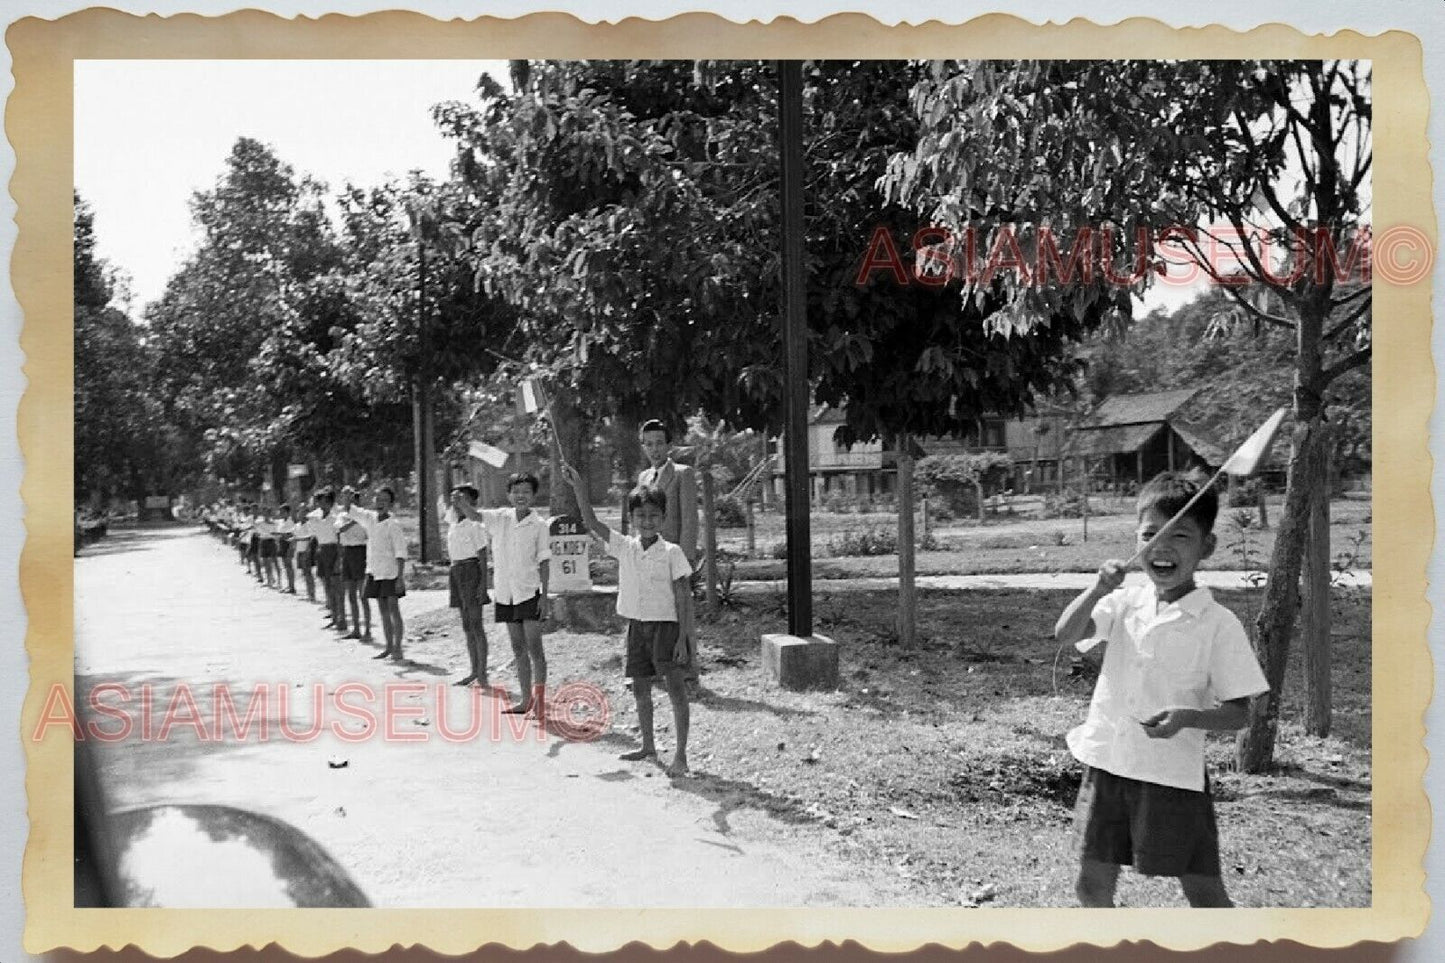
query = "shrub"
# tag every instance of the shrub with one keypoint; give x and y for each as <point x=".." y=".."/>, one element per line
<point x="1068" y="503"/>
<point x="729" y="512"/>
<point x="779" y="550"/>
<point x="872" y="541"/>
<point x="958" y="480"/>
<point x="837" y="503"/>
<point x="1245" y="495"/>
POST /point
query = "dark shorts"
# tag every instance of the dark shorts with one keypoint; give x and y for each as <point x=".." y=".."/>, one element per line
<point x="353" y="563"/>
<point x="1159" y="830"/>
<point x="285" y="547"/>
<point x="650" y="647"/>
<point x="383" y="588"/>
<point x="326" y="555"/>
<point x="304" y="554"/>
<point x="464" y="586"/>
<point x="268" y="548"/>
<point x="528" y="611"/>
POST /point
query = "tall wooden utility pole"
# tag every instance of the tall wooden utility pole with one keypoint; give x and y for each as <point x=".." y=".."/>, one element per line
<point x="795" y="352"/>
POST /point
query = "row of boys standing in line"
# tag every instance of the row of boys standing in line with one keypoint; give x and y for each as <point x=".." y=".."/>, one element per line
<point x="360" y="554"/>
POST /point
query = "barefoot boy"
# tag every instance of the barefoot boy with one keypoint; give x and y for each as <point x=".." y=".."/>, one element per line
<point x="352" y="565"/>
<point x="1177" y="664"/>
<point x="385" y="564"/>
<point x="521" y="558"/>
<point x="654" y="594"/>
<point x="467" y="580"/>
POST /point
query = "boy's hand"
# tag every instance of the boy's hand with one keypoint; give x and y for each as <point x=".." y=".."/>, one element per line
<point x="1166" y="722"/>
<point x="573" y="478"/>
<point x="1111" y="576"/>
<point x="679" y="651"/>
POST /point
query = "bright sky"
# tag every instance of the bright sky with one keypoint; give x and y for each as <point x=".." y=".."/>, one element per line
<point x="148" y="133"/>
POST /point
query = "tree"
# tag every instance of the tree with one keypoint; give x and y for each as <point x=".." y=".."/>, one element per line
<point x="640" y="191"/>
<point x="122" y="444"/>
<point x="1267" y="161"/>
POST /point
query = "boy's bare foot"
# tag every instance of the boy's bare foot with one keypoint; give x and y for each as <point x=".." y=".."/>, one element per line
<point x="353" y="634"/>
<point x="518" y="710"/>
<point x="469" y="680"/>
<point x="637" y="755"/>
<point x="382" y="654"/>
<point x="679" y="766"/>
<point x="366" y="636"/>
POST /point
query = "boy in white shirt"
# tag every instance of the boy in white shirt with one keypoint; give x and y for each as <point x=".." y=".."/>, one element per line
<point x="286" y="547"/>
<point x="352" y="567"/>
<point x="654" y="594"/>
<point x="467" y="579"/>
<point x="521" y="555"/>
<point x="385" y="564"/>
<point x="328" y="555"/>
<point x="305" y="548"/>
<point x="1178" y="664"/>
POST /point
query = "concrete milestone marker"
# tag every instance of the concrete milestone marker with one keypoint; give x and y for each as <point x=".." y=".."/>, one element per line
<point x="801" y="663"/>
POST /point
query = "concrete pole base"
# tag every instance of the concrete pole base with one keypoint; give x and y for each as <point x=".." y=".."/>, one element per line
<point x="594" y="612"/>
<point x="801" y="663"/>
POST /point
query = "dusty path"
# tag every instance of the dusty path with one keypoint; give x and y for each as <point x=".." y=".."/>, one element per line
<point x="495" y="818"/>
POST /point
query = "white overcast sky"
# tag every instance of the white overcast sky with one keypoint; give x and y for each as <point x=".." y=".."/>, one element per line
<point x="150" y="132"/>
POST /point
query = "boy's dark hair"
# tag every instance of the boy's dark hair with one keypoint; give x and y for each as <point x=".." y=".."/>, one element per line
<point x="646" y="495"/>
<point x="285" y="507"/>
<point x="524" y="478"/>
<point x="324" y="495"/>
<point x="387" y="488"/>
<point x="1170" y="491"/>
<point x="470" y="491"/>
<point x="653" y="424"/>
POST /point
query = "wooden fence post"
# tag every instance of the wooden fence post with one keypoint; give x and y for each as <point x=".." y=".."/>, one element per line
<point x="907" y="596"/>
<point x="752" y="528"/>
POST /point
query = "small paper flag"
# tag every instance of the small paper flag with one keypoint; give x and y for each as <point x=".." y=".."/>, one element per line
<point x="482" y="451"/>
<point x="1247" y="456"/>
<point x="534" y="399"/>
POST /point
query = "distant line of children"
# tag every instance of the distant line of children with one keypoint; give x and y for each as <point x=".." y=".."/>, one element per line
<point x="358" y="554"/>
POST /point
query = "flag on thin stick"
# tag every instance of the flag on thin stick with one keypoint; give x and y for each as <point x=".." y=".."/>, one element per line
<point x="1244" y="461"/>
<point x="1247" y="456"/>
<point x="534" y="398"/>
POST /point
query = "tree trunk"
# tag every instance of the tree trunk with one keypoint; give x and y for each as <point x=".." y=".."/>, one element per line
<point x="629" y="456"/>
<point x="424" y="465"/>
<point x="978" y="496"/>
<point x="569" y="443"/>
<point x="1315" y="611"/>
<point x="907" y="597"/>
<point x="1274" y="626"/>
<point x="709" y="538"/>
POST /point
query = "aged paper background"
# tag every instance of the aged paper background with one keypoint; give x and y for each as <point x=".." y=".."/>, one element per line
<point x="38" y="123"/>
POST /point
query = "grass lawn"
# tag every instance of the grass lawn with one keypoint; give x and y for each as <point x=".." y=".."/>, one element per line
<point x="947" y="763"/>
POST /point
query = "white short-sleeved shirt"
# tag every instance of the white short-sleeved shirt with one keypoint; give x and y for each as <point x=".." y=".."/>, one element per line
<point x="518" y="548"/>
<point x="323" y="527"/>
<point x="356" y="534"/>
<point x="385" y="540"/>
<point x="645" y="577"/>
<point x="465" y="538"/>
<point x="1192" y="652"/>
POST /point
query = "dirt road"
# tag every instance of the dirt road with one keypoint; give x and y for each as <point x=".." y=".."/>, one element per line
<point x="440" y="802"/>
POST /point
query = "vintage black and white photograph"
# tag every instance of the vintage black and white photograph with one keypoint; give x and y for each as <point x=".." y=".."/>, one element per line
<point x="723" y="484"/>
